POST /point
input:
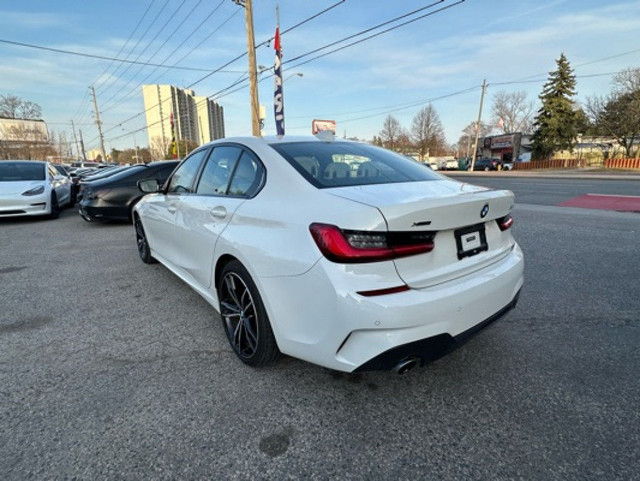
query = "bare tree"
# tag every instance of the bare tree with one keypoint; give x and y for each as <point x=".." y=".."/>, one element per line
<point x="465" y="143"/>
<point x="618" y="114"/>
<point x="626" y="81"/>
<point x="391" y="132"/>
<point x="511" y="112"/>
<point x="10" y="106"/>
<point x="427" y="132"/>
<point x="29" y="110"/>
<point x="158" y="147"/>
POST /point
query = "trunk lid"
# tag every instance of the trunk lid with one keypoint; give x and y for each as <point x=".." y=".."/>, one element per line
<point x="463" y="216"/>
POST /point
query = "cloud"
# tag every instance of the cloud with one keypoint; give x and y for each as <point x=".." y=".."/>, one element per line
<point x="33" y="21"/>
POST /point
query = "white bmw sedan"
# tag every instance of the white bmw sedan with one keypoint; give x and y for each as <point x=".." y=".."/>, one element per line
<point x="31" y="187"/>
<point x="339" y="253"/>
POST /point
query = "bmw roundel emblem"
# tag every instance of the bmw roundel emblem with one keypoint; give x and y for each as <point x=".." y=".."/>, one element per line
<point x="484" y="211"/>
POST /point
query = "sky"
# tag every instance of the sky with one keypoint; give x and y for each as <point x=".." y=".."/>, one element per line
<point x="441" y="58"/>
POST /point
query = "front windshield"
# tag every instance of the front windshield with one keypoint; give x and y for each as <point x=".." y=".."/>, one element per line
<point x="341" y="164"/>
<point x="21" y="171"/>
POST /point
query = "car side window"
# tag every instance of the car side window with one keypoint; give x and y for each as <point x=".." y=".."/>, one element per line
<point x="217" y="173"/>
<point x="182" y="180"/>
<point x="164" y="173"/>
<point x="52" y="172"/>
<point x="247" y="177"/>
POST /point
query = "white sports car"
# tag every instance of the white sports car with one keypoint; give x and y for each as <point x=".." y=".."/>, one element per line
<point x="31" y="187"/>
<point x="339" y="253"/>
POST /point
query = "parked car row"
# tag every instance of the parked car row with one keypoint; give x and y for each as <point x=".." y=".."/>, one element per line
<point x="42" y="189"/>
<point x="465" y="164"/>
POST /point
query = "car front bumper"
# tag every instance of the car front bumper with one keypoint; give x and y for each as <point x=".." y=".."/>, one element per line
<point x="20" y="205"/>
<point x="320" y="318"/>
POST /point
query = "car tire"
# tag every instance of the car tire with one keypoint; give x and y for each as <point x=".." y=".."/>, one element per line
<point x="55" y="207"/>
<point x="144" y="251"/>
<point x="244" y="317"/>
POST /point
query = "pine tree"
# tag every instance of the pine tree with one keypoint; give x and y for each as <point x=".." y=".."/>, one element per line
<point x="556" y="123"/>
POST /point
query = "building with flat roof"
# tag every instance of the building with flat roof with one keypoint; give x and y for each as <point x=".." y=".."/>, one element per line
<point x="175" y="112"/>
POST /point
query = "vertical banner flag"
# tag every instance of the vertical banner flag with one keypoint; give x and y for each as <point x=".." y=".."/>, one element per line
<point x="278" y="94"/>
<point x="174" y="150"/>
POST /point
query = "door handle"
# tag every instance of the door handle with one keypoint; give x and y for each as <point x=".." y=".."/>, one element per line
<point x="218" y="212"/>
<point x="172" y="208"/>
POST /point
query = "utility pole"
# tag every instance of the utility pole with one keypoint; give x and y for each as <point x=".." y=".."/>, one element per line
<point x="475" y="144"/>
<point x="84" y="155"/>
<point x="75" y="139"/>
<point x="98" y="124"/>
<point x="253" y="71"/>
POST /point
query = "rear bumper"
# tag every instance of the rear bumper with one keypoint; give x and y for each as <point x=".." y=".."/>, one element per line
<point x="431" y="348"/>
<point x="320" y="318"/>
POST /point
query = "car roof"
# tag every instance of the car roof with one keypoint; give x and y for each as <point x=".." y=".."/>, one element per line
<point x="272" y="139"/>
<point x="160" y="163"/>
<point x="22" y="161"/>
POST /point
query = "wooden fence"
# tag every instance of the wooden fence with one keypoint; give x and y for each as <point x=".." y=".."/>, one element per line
<point x="622" y="163"/>
<point x="575" y="164"/>
<point x="551" y="164"/>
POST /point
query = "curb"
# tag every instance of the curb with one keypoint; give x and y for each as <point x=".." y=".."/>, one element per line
<point x="571" y="174"/>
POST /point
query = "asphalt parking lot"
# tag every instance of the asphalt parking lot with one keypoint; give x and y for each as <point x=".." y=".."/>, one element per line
<point x="112" y="369"/>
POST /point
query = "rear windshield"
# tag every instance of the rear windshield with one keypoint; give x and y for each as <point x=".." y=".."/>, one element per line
<point x="18" y="171"/>
<point x="341" y="164"/>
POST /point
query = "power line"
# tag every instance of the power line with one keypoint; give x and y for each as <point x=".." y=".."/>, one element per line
<point x="155" y="19"/>
<point x="135" y="29"/>
<point x="221" y="68"/>
<point x="169" y="37"/>
<point x="164" y="62"/>
<point x="371" y="36"/>
<point x="362" y="32"/>
<point x="175" y="11"/>
<point x="591" y="62"/>
<point x="99" y="57"/>
<point x="226" y="89"/>
<point x="363" y="39"/>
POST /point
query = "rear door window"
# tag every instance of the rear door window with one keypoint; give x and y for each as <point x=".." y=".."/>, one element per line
<point x="217" y="173"/>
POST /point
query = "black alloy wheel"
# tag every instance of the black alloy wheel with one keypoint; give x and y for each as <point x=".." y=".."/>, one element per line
<point x="244" y="317"/>
<point x="55" y="207"/>
<point x="143" y="245"/>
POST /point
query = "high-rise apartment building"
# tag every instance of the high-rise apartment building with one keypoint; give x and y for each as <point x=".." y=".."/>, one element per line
<point x="194" y="118"/>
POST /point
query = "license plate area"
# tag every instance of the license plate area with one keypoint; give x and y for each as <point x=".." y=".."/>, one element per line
<point x="471" y="240"/>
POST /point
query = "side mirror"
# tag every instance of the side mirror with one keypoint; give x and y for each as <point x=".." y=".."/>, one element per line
<point x="148" y="186"/>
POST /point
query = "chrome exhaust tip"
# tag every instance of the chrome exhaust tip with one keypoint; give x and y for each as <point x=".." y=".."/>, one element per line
<point x="406" y="365"/>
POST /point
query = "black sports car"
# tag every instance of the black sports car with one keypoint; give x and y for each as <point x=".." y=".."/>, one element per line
<point x="112" y="198"/>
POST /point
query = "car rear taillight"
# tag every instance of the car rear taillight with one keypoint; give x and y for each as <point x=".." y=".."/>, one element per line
<point x="505" y="222"/>
<point x="349" y="246"/>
